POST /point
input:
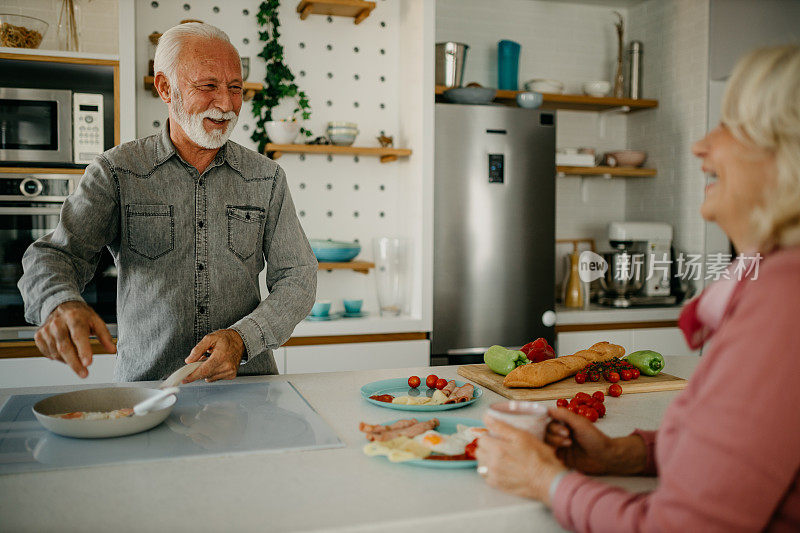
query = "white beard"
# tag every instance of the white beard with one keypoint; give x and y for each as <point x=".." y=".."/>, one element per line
<point x="192" y="124"/>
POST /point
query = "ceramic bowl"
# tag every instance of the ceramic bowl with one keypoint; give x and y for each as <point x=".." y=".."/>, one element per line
<point x="626" y="158"/>
<point x="334" y="251"/>
<point x="529" y="100"/>
<point x="282" y="131"/>
<point x="596" y="88"/>
<point x="321" y="308"/>
<point x="544" y="86"/>
<point x="470" y="95"/>
<point x="347" y="125"/>
<point x="353" y="306"/>
<point x="342" y="138"/>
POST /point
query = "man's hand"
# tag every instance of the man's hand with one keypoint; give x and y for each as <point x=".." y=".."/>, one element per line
<point x="224" y="348"/>
<point x="64" y="336"/>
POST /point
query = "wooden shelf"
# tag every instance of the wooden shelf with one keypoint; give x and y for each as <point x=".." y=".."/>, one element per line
<point x="575" y="102"/>
<point x="357" y="9"/>
<point x="625" y="172"/>
<point x="248" y="88"/>
<point x="362" y="267"/>
<point x="386" y="154"/>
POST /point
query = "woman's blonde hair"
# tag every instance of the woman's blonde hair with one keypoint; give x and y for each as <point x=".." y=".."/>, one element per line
<point x="761" y="107"/>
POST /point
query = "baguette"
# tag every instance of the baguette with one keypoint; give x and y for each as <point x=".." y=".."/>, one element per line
<point x="552" y="370"/>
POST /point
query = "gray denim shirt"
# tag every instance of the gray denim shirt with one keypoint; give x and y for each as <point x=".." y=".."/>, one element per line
<point x="188" y="249"/>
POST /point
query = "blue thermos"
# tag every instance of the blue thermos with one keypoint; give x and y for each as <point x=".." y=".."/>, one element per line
<point x="507" y="65"/>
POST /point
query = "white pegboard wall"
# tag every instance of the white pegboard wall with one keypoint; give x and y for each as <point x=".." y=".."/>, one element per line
<point x="349" y="73"/>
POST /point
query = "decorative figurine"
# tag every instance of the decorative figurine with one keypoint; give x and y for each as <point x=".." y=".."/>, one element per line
<point x="386" y="142"/>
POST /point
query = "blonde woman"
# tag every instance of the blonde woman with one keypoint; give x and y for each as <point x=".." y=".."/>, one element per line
<point x="728" y="451"/>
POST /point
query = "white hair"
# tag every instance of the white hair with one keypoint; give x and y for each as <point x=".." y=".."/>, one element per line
<point x="761" y="106"/>
<point x="169" y="46"/>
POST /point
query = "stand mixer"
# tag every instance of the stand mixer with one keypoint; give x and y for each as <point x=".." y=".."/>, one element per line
<point x="639" y="267"/>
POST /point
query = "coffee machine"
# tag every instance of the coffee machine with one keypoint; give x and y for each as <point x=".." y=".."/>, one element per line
<point x="640" y="265"/>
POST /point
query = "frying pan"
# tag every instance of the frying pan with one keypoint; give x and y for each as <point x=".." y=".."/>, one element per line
<point x="108" y="399"/>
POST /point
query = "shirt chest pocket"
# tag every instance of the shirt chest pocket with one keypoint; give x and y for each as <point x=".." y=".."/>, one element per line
<point x="244" y="230"/>
<point x="151" y="229"/>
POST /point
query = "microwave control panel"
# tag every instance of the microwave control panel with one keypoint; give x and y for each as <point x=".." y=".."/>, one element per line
<point x="87" y="126"/>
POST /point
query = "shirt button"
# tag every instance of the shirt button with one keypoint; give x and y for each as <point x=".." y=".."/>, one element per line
<point x="201" y="182"/>
<point x="200" y="266"/>
<point x="201" y="310"/>
<point x="200" y="224"/>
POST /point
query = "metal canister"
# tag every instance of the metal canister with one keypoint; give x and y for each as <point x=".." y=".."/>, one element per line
<point x="450" y="59"/>
<point x="635" y="70"/>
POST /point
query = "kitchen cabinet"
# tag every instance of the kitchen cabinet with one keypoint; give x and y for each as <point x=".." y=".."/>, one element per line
<point x="356" y="356"/>
<point x="668" y="341"/>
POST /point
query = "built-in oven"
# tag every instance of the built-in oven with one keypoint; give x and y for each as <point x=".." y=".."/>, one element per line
<point x="50" y="126"/>
<point x="30" y="205"/>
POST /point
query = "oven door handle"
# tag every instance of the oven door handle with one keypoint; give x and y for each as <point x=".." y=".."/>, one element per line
<point x="30" y="210"/>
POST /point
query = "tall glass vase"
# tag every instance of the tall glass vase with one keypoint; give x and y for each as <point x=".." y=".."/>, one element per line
<point x="69" y="24"/>
<point x="391" y="274"/>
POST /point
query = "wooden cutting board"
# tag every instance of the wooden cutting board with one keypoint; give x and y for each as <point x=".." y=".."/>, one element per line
<point x="566" y="388"/>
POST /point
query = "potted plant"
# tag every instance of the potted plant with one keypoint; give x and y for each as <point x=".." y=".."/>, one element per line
<point x="278" y="84"/>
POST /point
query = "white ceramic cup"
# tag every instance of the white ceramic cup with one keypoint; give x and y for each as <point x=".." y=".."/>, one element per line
<point x="527" y="416"/>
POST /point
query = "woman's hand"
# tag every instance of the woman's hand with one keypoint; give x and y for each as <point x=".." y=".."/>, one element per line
<point x="516" y="461"/>
<point x="583" y="447"/>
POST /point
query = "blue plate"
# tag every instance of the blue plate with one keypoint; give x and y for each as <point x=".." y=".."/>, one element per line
<point x="447" y="426"/>
<point x="325" y="318"/>
<point x="399" y="387"/>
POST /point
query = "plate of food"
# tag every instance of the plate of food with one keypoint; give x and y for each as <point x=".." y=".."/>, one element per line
<point x="430" y="443"/>
<point x="410" y="394"/>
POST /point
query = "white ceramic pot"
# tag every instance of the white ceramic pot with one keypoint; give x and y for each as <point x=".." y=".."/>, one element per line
<point x="282" y="131"/>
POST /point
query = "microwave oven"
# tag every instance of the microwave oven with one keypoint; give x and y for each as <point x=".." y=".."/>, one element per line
<point x="50" y="126"/>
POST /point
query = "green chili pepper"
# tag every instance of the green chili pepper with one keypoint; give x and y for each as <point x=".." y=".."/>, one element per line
<point x="502" y="360"/>
<point x="648" y="362"/>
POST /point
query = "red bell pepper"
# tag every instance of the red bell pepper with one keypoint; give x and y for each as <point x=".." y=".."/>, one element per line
<point x="538" y="350"/>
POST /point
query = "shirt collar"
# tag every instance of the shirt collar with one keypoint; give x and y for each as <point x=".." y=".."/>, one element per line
<point x="165" y="150"/>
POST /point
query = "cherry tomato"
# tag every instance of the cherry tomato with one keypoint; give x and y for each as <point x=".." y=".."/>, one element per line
<point x="582" y="410"/>
<point x="591" y="414"/>
<point x="580" y="377"/>
<point x="600" y="408"/>
<point x="413" y="382"/>
<point x="615" y="390"/>
<point x="583" y="398"/>
<point x="573" y="403"/>
<point x="562" y="402"/>
<point x="613" y="377"/>
<point x="626" y="375"/>
<point x="635" y="372"/>
<point x="431" y="380"/>
<point x="594" y="376"/>
<point x="441" y="383"/>
<point x="599" y="396"/>
<point x="574" y="408"/>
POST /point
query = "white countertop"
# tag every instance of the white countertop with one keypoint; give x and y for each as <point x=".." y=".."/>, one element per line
<point x="598" y="314"/>
<point x="332" y="490"/>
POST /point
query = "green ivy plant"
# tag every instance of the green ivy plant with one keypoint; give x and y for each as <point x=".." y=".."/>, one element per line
<point x="279" y="80"/>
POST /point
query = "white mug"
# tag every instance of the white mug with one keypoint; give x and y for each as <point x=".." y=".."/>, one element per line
<point x="527" y="416"/>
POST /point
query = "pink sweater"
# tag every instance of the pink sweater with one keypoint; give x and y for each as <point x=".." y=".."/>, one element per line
<point x="728" y="449"/>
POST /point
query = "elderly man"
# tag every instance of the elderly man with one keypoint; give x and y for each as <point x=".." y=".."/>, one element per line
<point x="190" y="219"/>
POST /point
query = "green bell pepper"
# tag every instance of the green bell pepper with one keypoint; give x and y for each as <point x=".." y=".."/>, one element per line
<point x="648" y="362"/>
<point x="502" y="360"/>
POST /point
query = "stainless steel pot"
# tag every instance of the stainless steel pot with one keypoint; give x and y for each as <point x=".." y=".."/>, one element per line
<point x="450" y="58"/>
<point x="626" y="273"/>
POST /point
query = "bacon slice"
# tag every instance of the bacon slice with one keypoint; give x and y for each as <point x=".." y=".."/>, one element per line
<point x="449" y="388"/>
<point x="410" y="432"/>
<point x="461" y="394"/>
<point x="377" y="428"/>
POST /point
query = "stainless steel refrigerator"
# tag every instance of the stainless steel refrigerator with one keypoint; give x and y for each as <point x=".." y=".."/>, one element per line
<point x="494" y="228"/>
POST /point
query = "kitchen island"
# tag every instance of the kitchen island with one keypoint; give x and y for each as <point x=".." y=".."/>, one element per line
<point x="333" y="489"/>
